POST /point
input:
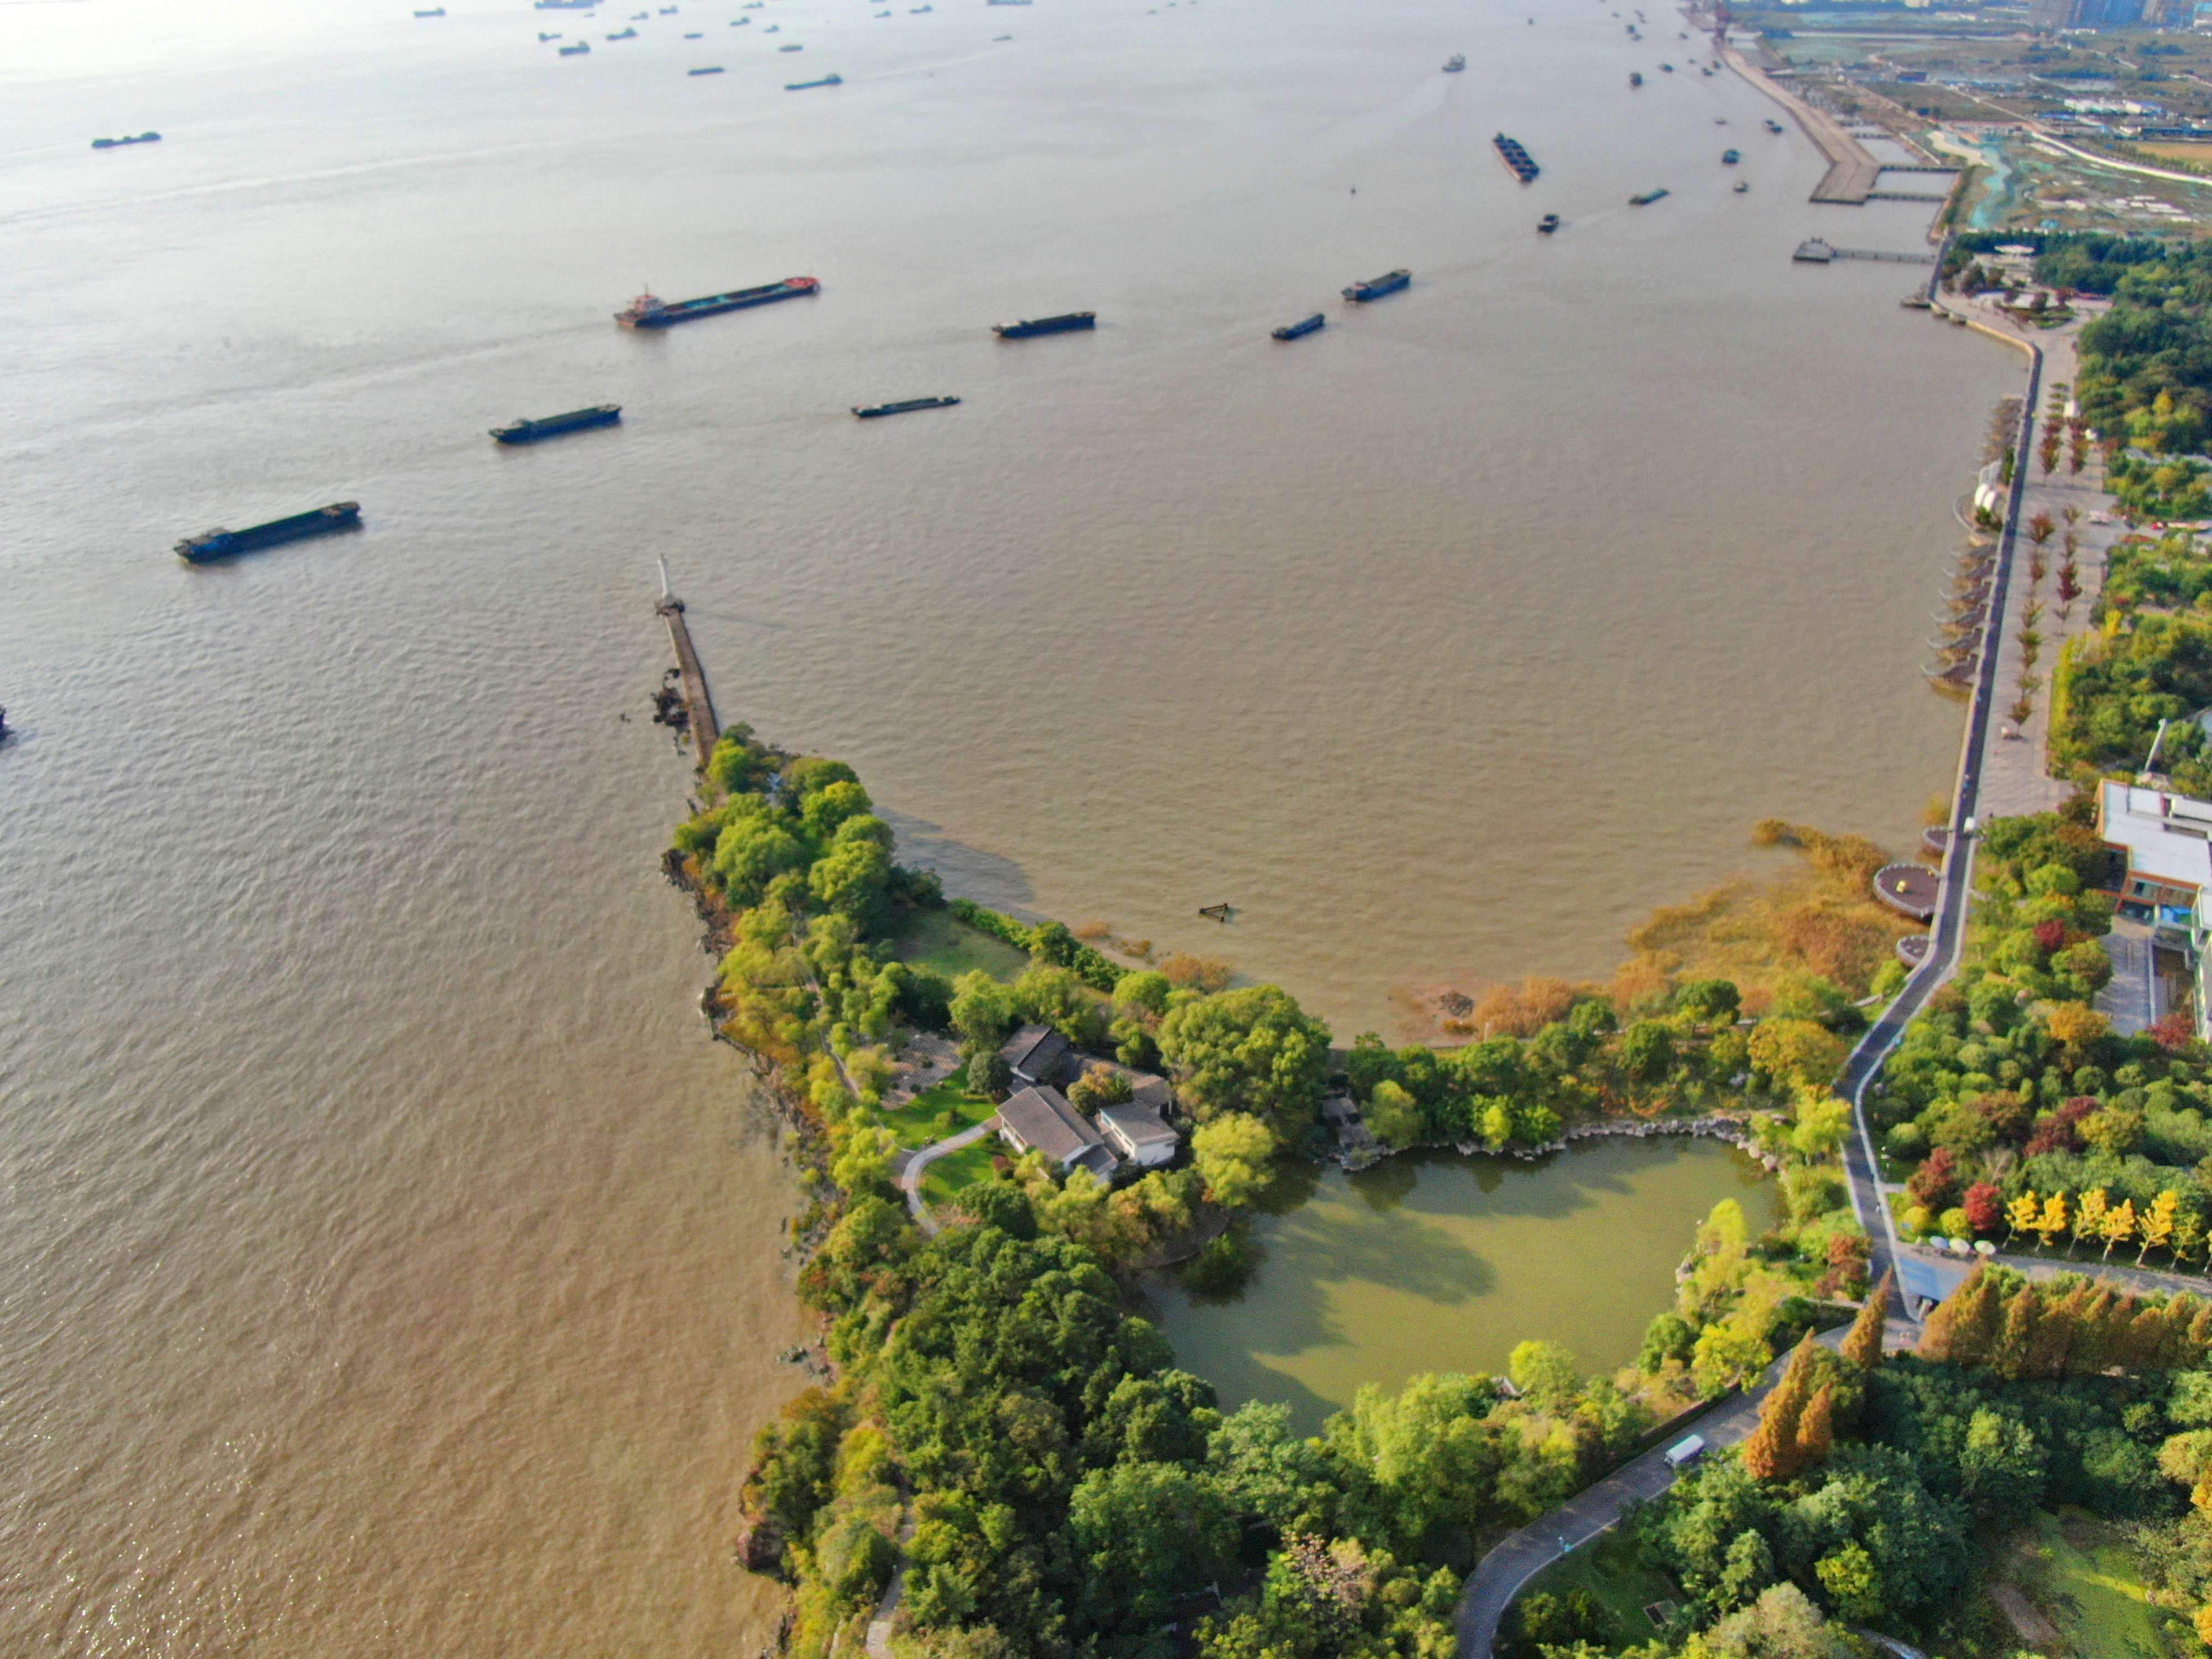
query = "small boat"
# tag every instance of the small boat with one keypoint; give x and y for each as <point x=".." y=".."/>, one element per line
<point x="996" y="38"/>
<point x="576" y="51"/>
<point x="434" y="11"/>
<point x="793" y="46"/>
<point x="527" y="431"/>
<point x="1773" y="125"/>
<point x="1376" y="287"/>
<point x="1666" y="69"/>
<point x="710" y="69"/>
<point x="694" y="35"/>
<point x="1729" y="158"/>
<point x="876" y="411"/>
<point x="542" y="37"/>
<point x="624" y="34"/>
<point x="1647" y="198"/>
<point x="740" y="22"/>
<point x="1635" y="79"/>
<point x="1742" y="186"/>
<point x="1217" y="912"/>
<point x="136" y="138"/>
<point x="1300" y="329"/>
<point x="1068" y="322"/>
<point x="772" y="28"/>
<point x="826" y="81"/>
<point x="1456" y="62"/>
<point x="1548" y="223"/>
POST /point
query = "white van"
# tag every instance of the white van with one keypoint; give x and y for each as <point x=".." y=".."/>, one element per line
<point x="1683" y="1453"/>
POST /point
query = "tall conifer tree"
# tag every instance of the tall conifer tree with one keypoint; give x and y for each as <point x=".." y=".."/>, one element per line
<point x="1863" y="1343"/>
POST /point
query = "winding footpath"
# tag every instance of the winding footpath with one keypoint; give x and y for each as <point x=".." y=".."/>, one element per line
<point x="909" y="1176"/>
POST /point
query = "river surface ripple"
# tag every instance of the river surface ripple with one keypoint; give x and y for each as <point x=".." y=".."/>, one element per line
<point x="388" y="1263"/>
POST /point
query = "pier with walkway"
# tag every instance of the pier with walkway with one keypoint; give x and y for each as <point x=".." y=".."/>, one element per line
<point x="698" y="703"/>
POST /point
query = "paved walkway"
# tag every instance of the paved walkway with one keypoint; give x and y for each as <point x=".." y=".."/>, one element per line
<point x="1500" y="1575"/>
<point x="910" y="1172"/>
<point x="2131" y="1000"/>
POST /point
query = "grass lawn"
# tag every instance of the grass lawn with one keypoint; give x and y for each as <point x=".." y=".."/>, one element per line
<point x="933" y="939"/>
<point x="943" y="1109"/>
<point x="956" y="1169"/>
<point x="1607" y="1568"/>
<point x="2093" y="1590"/>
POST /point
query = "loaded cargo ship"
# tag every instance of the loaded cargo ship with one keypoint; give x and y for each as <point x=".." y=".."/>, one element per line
<point x="1524" y="166"/>
<point x="1376" y="287"/>
<point x="803" y="86"/>
<point x="221" y="544"/>
<point x="650" y="311"/>
<point x="1300" y="329"/>
<point x="527" y="431"/>
<point x="136" y="138"/>
<point x="1067" y="323"/>
<point x="876" y="411"/>
<point x="1647" y="198"/>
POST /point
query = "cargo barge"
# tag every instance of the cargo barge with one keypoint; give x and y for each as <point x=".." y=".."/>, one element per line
<point x="221" y="544"/>
<point x="527" y="431"/>
<point x="1067" y="323"/>
<point x="1524" y="166"/>
<point x="136" y="138"/>
<point x="1299" y="330"/>
<point x="876" y="411"/>
<point x="1376" y="287"/>
<point x="649" y="311"/>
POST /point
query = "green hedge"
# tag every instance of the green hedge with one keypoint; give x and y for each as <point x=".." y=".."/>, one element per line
<point x="1091" y="966"/>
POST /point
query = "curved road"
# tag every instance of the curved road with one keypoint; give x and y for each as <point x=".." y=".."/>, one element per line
<point x="1498" y="1577"/>
<point x="1501" y="1574"/>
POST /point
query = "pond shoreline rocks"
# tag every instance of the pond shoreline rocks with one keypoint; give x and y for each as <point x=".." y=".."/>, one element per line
<point x="1355" y="1156"/>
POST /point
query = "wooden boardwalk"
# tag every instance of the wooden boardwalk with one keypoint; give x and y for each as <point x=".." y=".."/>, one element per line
<point x="698" y="703"/>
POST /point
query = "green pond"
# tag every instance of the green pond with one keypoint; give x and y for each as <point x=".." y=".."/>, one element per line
<point x="1435" y="1263"/>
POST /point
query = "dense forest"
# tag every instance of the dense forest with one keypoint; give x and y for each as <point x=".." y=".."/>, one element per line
<point x="999" y="1424"/>
<point x="1001" y="1438"/>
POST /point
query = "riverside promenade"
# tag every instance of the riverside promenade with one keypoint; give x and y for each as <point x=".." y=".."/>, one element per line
<point x="1997" y="774"/>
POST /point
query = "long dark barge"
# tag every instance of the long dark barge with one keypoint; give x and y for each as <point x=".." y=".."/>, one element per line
<point x="1067" y="323"/>
<point x="221" y="544"/>
<point x="649" y="311"/>
<point x="1524" y="166"/>
<point x="527" y="431"/>
<point x="134" y="138"/>
<point x="1376" y="287"/>
<point x="1299" y="330"/>
<point x="876" y="411"/>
